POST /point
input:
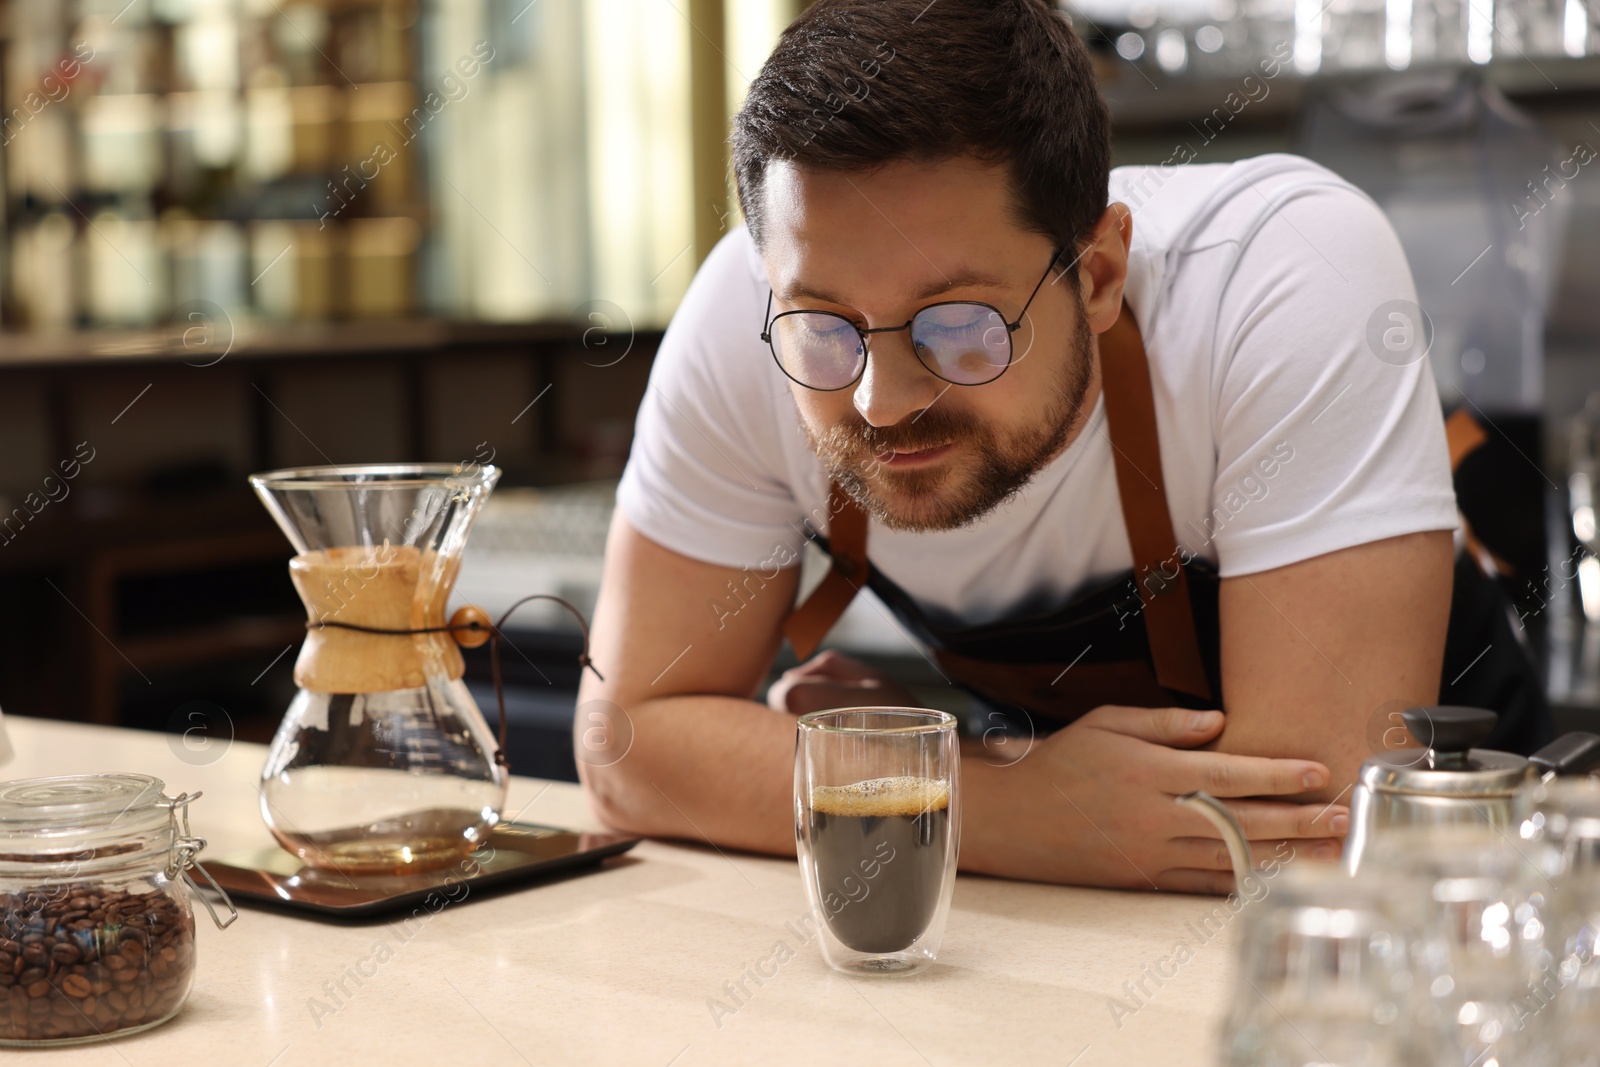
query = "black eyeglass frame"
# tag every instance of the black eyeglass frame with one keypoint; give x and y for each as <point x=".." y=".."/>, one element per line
<point x="771" y="320"/>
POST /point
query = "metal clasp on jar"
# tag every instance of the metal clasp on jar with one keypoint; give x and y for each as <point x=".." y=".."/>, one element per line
<point x="185" y="846"/>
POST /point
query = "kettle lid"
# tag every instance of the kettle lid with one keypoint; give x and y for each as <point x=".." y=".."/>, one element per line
<point x="1447" y="764"/>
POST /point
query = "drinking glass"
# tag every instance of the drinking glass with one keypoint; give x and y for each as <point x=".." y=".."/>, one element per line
<point x="1485" y="945"/>
<point x="877" y="821"/>
<point x="1564" y="813"/>
<point x="1354" y="35"/>
<point x="1565" y="1003"/>
<point x="1324" y="974"/>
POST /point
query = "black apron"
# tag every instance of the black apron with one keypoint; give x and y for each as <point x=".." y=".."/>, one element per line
<point x="1150" y="637"/>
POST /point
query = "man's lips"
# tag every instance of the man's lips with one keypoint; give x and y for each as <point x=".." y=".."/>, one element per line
<point x="893" y="458"/>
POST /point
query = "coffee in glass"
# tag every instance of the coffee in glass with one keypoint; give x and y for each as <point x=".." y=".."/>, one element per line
<point x="878" y="826"/>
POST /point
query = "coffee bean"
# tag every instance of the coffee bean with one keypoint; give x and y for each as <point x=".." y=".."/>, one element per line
<point x="80" y="960"/>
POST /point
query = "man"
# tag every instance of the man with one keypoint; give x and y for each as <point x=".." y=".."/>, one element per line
<point x="918" y="353"/>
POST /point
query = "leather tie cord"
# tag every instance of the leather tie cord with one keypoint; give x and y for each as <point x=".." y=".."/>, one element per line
<point x="496" y="635"/>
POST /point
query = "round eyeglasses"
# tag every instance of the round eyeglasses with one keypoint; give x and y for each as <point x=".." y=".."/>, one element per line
<point x="964" y="342"/>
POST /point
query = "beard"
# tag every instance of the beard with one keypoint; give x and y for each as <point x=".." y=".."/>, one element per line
<point x="995" y="466"/>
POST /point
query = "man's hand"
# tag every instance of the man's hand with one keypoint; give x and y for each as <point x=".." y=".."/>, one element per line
<point x="1093" y="805"/>
<point x="834" y="680"/>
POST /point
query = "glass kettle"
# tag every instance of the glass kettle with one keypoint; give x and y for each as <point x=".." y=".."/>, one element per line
<point x="383" y="763"/>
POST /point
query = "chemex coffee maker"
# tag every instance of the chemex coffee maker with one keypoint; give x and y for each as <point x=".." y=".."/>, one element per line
<point x="383" y="763"/>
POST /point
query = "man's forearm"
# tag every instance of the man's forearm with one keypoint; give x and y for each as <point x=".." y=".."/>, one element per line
<point x="995" y="803"/>
<point x="999" y="800"/>
<point x="706" y="768"/>
<point x="720" y="769"/>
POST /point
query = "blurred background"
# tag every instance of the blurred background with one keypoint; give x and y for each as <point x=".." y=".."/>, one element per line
<point x="246" y="234"/>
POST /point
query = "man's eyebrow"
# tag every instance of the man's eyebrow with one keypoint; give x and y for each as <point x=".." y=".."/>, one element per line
<point x="961" y="279"/>
<point x="802" y="291"/>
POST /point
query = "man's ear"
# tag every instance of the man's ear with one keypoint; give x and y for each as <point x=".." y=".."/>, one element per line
<point x="1103" y="267"/>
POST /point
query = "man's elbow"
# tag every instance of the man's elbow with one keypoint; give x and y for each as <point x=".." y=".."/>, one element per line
<point x="619" y="795"/>
<point x="603" y="746"/>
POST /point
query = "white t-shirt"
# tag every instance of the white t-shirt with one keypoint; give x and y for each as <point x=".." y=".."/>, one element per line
<point x="1283" y="435"/>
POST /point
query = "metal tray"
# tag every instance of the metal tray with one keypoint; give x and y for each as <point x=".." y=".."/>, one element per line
<point x="515" y="852"/>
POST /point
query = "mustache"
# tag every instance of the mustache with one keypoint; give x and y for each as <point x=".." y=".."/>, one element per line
<point x="929" y="428"/>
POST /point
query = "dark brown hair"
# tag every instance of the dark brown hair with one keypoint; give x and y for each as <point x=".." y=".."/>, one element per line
<point x="853" y="84"/>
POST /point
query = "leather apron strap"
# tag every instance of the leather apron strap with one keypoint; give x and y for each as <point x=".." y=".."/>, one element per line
<point x="1463" y="436"/>
<point x="1136" y="449"/>
<point x="1131" y="424"/>
<point x="809" y="623"/>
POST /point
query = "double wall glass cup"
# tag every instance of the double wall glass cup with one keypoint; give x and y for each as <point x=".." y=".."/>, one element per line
<point x="878" y="826"/>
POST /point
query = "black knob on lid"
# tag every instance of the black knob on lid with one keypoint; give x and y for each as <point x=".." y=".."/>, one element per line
<point x="1449" y="730"/>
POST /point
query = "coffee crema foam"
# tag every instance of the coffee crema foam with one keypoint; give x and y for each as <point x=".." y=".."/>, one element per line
<point x="901" y="795"/>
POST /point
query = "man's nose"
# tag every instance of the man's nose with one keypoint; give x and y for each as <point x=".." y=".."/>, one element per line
<point x="894" y="384"/>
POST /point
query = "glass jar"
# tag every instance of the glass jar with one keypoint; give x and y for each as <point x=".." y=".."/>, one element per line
<point x="96" y="933"/>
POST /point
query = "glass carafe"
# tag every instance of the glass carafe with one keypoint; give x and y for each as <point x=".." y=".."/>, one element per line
<point x="383" y="762"/>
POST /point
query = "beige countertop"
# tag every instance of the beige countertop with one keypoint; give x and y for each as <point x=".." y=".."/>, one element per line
<point x="641" y="961"/>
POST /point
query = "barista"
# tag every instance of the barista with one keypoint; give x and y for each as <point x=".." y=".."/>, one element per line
<point x="1113" y="446"/>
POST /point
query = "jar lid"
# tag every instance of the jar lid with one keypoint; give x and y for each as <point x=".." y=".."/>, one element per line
<point x="46" y="814"/>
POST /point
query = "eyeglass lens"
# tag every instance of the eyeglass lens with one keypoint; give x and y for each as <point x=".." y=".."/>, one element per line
<point x="964" y="343"/>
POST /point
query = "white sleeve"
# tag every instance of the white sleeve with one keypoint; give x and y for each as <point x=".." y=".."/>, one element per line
<point x="1354" y="444"/>
<point x="705" y="476"/>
